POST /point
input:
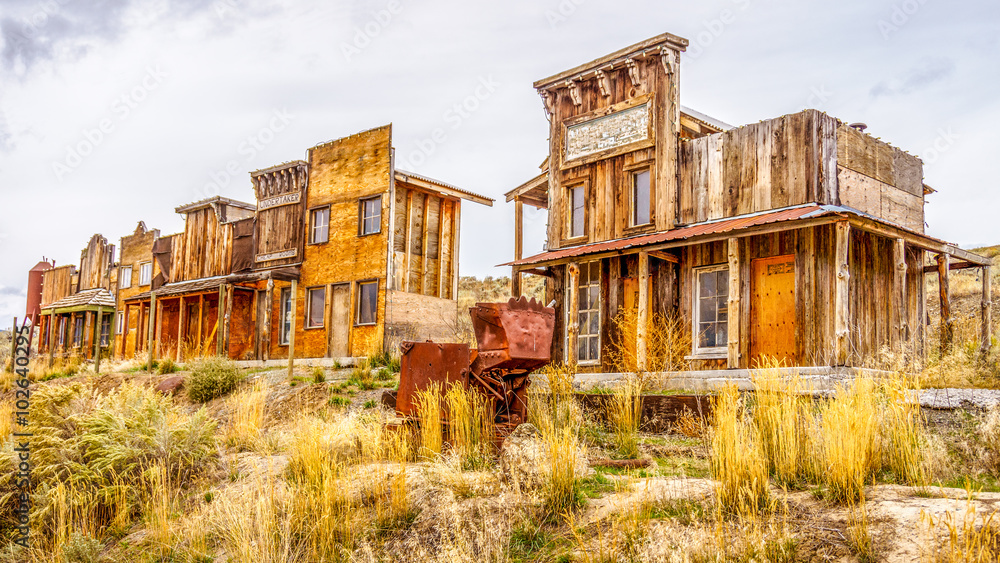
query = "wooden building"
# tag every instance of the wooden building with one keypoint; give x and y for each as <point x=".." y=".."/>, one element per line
<point x="799" y="238"/>
<point x="78" y="306"/>
<point x="342" y="255"/>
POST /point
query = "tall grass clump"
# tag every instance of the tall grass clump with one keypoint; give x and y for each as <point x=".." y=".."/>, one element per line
<point x="558" y="418"/>
<point x="782" y="415"/>
<point x="624" y="410"/>
<point x="428" y="403"/>
<point x="212" y="377"/>
<point x="737" y="462"/>
<point x="971" y="538"/>
<point x="92" y="453"/>
<point x="849" y="426"/>
<point x="470" y="426"/>
<point x="903" y="434"/>
<point x="245" y="430"/>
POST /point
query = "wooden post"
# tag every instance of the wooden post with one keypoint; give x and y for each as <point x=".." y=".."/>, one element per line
<point x="228" y="318"/>
<point x="255" y="321"/>
<point x="518" y="229"/>
<point x="291" y="333"/>
<point x="841" y="303"/>
<point x="266" y="328"/>
<point x="98" y="323"/>
<point x="515" y="282"/>
<point x="180" y="329"/>
<point x="149" y="330"/>
<point x="642" y="319"/>
<point x="13" y="346"/>
<point x="899" y="324"/>
<point x="733" y="313"/>
<point x="158" y="317"/>
<point x="944" y="292"/>
<point x="201" y="336"/>
<point x="219" y="318"/>
<point x="573" y="323"/>
<point x="986" y="320"/>
<point x="52" y="333"/>
<point x="126" y="321"/>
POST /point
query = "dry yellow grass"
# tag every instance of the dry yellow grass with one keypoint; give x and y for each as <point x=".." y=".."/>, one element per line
<point x="783" y="415"/>
<point x="624" y="410"/>
<point x="429" y="404"/>
<point x="971" y="538"/>
<point x="245" y="430"/>
<point x="737" y="463"/>
<point x="470" y="426"/>
<point x="668" y="341"/>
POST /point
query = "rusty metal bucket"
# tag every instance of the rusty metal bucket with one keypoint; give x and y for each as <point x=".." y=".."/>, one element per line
<point x="424" y="363"/>
<point x="516" y="335"/>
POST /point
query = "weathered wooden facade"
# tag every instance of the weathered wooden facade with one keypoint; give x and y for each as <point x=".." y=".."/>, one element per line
<point x="799" y="238"/>
<point x="78" y="306"/>
<point x="341" y="255"/>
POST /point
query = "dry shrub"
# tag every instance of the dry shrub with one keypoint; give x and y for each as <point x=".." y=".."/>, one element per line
<point x="470" y="426"/>
<point x="690" y="424"/>
<point x="989" y="439"/>
<point x="737" y="463"/>
<point x="211" y="377"/>
<point x="559" y="419"/>
<point x="668" y="340"/>
<point x="624" y="411"/>
<point x="247" y="413"/>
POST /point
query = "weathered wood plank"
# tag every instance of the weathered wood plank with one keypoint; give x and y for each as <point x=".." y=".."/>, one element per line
<point x="734" y="312"/>
<point x="841" y="293"/>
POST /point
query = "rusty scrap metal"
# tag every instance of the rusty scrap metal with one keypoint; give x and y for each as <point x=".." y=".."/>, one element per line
<point x="514" y="338"/>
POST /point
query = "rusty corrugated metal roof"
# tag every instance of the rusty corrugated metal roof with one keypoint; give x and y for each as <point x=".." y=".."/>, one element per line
<point x="806" y="211"/>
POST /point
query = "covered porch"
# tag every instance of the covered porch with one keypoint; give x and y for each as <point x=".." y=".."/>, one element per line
<point x="78" y="325"/>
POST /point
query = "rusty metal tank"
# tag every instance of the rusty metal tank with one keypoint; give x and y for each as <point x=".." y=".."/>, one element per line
<point x="34" y="300"/>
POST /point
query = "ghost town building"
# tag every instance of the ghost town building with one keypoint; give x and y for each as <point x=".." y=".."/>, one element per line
<point x="341" y="255"/>
<point x="799" y="238"/>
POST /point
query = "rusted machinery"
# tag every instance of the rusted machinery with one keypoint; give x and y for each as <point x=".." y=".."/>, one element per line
<point x="515" y="338"/>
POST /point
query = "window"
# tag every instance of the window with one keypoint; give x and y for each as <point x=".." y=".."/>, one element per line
<point x="711" y="309"/>
<point x="367" y="302"/>
<point x="589" y="296"/>
<point x="125" y="281"/>
<point x="286" y="315"/>
<point x="576" y="211"/>
<point x="62" y="331"/>
<point x="640" y="198"/>
<point x="105" y="329"/>
<point x="371" y="216"/>
<point x="316" y="305"/>
<point x="77" y="331"/>
<point x="145" y="273"/>
<point x="320" y="230"/>
<point x="121" y="323"/>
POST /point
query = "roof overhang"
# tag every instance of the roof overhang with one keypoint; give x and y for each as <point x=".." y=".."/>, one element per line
<point x="212" y="202"/>
<point x="533" y="192"/>
<point x="795" y="217"/>
<point x="440" y="187"/>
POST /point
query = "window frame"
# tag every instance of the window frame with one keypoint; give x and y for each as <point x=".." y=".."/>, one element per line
<point x="362" y="217"/>
<point x="79" y="326"/>
<point x="597" y="311"/>
<point x="633" y="172"/>
<point x="284" y="304"/>
<point x="125" y="279"/>
<point x="714" y="352"/>
<point x="104" y="338"/>
<point x="357" y="305"/>
<point x="312" y="224"/>
<point x="307" y="324"/>
<point x="570" y="187"/>
<point x="119" y="322"/>
<point x="150" y="280"/>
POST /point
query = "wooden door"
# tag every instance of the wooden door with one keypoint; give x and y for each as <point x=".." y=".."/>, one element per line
<point x="340" y="320"/>
<point x="772" y="308"/>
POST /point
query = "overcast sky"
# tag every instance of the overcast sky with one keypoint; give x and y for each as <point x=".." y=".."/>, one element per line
<point x="115" y="111"/>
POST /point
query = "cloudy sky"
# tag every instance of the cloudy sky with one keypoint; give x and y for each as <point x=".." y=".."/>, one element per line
<point x="115" y="111"/>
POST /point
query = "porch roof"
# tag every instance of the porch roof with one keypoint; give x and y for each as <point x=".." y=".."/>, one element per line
<point x="745" y="225"/>
<point x="178" y="288"/>
<point x="86" y="300"/>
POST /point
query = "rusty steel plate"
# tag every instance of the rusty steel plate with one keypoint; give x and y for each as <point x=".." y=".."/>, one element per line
<point x="425" y="363"/>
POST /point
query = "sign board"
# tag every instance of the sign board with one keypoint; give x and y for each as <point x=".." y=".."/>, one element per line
<point x="607" y="132"/>
<point x="283" y="199"/>
<point x="291" y="253"/>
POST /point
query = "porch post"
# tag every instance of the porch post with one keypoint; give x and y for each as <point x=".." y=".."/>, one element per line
<point x="265" y="345"/>
<point x="98" y="323"/>
<point x="220" y="320"/>
<point x="515" y="282"/>
<point x="228" y="318"/>
<point x="841" y="302"/>
<point x="151" y="316"/>
<point x="944" y="293"/>
<point x="642" y="318"/>
<point x="158" y="316"/>
<point x="573" y="323"/>
<point x="733" y="313"/>
<point x="291" y="333"/>
<point x="126" y="321"/>
<point x="52" y="332"/>
<point x="201" y="336"/>
<point x="899" y="324"/>
<point x="986" y="319"/>
<point x="180" y="329"/>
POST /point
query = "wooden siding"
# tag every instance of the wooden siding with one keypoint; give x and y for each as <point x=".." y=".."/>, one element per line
<point x="204" y="249"/>
<point x="136" y="249"/>
<point x="423" y="242"/>
<point x="282" y="228"/>
<point x="57" y="283"/>
<point x="95" y="264"/>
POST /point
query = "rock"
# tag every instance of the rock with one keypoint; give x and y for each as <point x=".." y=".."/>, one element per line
<point x="170" y="385"/>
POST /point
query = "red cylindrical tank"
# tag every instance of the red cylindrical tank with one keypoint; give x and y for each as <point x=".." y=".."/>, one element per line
<point x="35" y="288"/>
